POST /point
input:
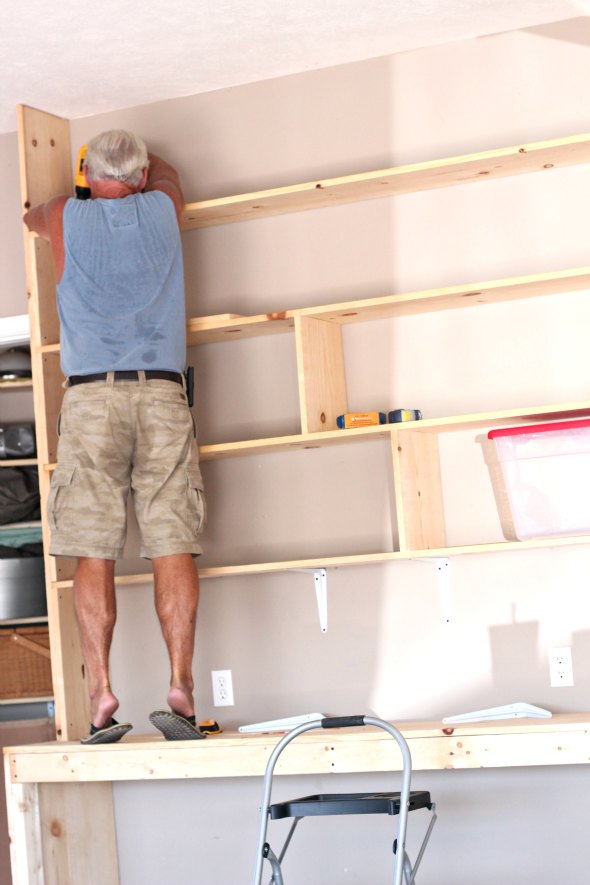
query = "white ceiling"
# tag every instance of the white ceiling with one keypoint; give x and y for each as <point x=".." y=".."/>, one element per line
<point x="76" y="60"/>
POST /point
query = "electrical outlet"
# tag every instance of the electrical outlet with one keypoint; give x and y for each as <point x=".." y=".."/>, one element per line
<point x="223" y="689"/>
<point x="560" y="667"/>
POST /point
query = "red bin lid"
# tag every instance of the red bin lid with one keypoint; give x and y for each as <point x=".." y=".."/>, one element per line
<point x="538" y="428"/>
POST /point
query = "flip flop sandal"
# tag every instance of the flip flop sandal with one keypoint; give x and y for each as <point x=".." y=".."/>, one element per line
<point x="175" y="727"/>
<point x="108" y="734"/>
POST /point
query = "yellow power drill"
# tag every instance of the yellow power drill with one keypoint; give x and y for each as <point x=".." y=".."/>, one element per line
<point x="82" y="189"/>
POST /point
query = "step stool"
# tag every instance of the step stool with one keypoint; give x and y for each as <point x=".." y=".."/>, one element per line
<point x="393" y="803"/>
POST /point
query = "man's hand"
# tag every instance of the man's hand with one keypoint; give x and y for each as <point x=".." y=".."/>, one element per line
<point x="46" y="220"/>
<point x="163" y="177"/>
<point x="41" y="219"/>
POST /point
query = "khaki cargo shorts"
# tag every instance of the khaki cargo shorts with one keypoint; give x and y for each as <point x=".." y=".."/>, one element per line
<point x="136" y="436"/>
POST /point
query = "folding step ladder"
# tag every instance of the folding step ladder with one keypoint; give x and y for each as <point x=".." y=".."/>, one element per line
<point x="393" y="803"/>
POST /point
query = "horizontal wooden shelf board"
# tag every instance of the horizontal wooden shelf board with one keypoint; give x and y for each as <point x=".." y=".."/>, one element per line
<point x="345" y="561"/>
<point x="231" y="327"/>
<point x="19" y="462"/>
<point x="543" y="155"/>
<point x="5" y="702"/>
<point x="449" y="297"/>
<point x="216" y="451"/>
<point x="456" y="423"/>
<point x="209" y="330"/>
<point x="504" y="417"/>
<point x="17" y="622"/>
<point x="563" y="739"/>
<point x="16" y="385"/>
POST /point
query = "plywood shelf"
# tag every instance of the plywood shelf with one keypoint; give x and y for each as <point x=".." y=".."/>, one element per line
<point x="516" y="160"/>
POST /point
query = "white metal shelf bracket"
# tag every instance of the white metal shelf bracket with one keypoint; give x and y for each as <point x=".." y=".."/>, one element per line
<point x="321" y="591"/>
<point x="443" y="576"/>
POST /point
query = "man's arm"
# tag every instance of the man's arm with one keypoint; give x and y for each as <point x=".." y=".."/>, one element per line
<point x="46" y="220"/>
<point x="163" y="177"/>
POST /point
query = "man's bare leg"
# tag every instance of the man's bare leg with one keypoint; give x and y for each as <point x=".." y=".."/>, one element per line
<point x="96" y="612"/>
<point x="176" y="586"/>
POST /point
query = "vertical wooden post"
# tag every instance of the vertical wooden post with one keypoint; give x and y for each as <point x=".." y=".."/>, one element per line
<point x="46" y="171"/>
<point x="320" y="367"/>
<point x="24" y="831"/>
<point x="78" y="834"/>
<point x="418" y="493"/>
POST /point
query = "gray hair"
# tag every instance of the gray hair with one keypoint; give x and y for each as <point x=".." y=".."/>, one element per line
<point x="117" y="154"/>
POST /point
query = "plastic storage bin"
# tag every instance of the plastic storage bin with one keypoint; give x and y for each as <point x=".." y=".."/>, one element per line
<point x="546" y="472"/>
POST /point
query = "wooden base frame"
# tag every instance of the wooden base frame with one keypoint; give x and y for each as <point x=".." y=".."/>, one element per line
<point x="60" y="800"/>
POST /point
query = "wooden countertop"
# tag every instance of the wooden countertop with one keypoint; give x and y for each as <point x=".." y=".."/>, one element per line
<point x="562" y="740"/>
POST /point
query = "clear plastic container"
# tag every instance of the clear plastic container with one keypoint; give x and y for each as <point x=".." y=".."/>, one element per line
<point x="546" y="471"/>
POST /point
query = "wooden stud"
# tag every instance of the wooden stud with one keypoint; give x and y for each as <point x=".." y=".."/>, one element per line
<point x="24" y="831"/>
<point x="46" y="171"/>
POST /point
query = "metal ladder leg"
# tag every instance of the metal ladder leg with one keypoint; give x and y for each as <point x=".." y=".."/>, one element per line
<point x="283" y="850"/>
<point x="277" y="876"/>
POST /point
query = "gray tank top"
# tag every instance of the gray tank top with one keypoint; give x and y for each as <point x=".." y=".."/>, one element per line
<point x="121" y="297"/>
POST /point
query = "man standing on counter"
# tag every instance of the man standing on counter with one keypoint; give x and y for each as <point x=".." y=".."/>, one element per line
<point x="125" y="422"/>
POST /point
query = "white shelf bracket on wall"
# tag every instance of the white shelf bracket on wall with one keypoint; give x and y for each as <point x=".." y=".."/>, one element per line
<point x="321" y="591"/>
<point x="443" y="576"/>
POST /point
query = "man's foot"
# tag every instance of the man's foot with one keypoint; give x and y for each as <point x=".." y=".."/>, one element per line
<point x="107" y="734"/>
<point x="180" y="700"/>
<point x="103" y="706"/>
<point x="175" y="727"/>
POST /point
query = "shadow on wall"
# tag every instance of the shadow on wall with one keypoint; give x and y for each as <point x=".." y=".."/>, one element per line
<point x="580" y="658"/>
<point x="572" y="30"/>
<point x="514" y="649"/>
<point x="266" y="629"/>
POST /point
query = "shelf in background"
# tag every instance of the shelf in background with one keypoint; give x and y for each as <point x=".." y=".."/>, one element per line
<point x="20" y="384"/>
<point x="537" y="156"/>
<point x="15" y="330"/>
<point x="5" y="702"/>
<point x="20" y="622"/>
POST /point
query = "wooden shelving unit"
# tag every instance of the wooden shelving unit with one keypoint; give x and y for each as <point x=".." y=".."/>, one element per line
<point x="23" y="384"/>
<point x="46" y="169"/>
<point x="77" y="779"/>
<point x="19" y="384"/>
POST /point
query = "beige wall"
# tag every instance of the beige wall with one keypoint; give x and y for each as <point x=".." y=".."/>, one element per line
<point x="388" y="650"/>
<point x="13" y="293"/>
